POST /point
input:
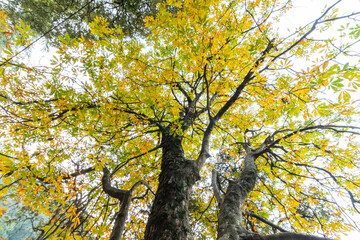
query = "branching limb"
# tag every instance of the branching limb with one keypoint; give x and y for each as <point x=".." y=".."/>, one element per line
<point x="124" y="196"/>
<point x="335" y="128"/>
<point x="341" y="17"/>
<point x="204" y="152"/>
<point x="249" y="213"/>
<point x="141" y="182"/>
<point x="10" y="184"/>
<point x="111" y="191"/>
<point x="78" y="173"/>
<point x="118" y="167"/>
<point x="313" y="27"/>
<point x="292" y="236"/>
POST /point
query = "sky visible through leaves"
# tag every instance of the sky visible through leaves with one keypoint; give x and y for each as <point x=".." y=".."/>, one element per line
<point x="305" y="11"/>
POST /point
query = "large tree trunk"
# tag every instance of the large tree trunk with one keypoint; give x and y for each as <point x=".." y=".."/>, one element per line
<point x="169" y="217"/>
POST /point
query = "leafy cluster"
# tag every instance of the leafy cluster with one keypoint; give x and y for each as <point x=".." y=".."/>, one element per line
<point x="44" y="15"/>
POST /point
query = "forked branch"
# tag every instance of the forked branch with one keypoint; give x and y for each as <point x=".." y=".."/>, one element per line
<point x="124" y="197"/>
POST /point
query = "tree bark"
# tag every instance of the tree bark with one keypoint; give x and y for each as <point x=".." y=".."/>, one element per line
<point x="230" y="219"/>
<point x="292" y="236"/>
<point x="169" y="216"/>
<point x="124" y="196"/>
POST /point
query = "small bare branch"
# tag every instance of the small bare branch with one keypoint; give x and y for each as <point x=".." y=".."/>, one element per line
<point x="215" y="187"/>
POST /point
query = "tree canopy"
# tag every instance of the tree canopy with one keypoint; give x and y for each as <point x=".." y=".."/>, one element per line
<point x="213" y="126"/>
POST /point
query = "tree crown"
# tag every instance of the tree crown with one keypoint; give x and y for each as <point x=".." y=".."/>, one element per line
<point x="215" y="76"/>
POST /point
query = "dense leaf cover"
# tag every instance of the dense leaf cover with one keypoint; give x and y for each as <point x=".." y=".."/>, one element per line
<point x="83" y="141"/>
<point x="44" y="15"/>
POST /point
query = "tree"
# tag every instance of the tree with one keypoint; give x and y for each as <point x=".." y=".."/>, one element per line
<point x="44" y="15"/>
<point x="138" y="138"/>
<point x="17" y="223"/>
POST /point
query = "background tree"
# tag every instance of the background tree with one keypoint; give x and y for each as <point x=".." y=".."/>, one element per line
<point x="18" y="223"/>
<point x="44" y="15"/>
<point x="136" y="138"/>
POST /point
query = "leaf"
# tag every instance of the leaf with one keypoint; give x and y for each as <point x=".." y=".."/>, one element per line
<point x="325" y="64"/>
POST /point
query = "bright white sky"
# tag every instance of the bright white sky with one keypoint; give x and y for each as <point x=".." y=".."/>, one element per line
<point x="305" y="11"/>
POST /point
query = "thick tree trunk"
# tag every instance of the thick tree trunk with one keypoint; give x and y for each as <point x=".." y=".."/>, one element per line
<point x="169" y="217"/>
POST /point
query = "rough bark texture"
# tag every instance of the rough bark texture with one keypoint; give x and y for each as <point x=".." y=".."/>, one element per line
<point x="278" y="236"/>
<point x="230" y="219"/>
<point x="124" y="197"/>
<point x="169" y="217"/>
<point x="292" y="236"/>
<point x="121" y="217"/>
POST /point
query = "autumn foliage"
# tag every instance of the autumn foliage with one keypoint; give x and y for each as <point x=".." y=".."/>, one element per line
<point x="240" y="129"/>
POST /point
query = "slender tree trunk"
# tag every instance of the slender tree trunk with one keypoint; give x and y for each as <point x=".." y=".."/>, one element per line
<point x="230" y="218"/>
<point x="124" y="197"/>
<point x="169" y="217"/>
<point x="121" y="218"/>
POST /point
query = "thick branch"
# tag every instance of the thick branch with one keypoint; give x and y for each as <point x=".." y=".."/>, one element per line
<point x="124" y="196"/>
<point x="230" y="221"/>
<point x="111" y="191"/>
<point x="141" y="182"/>
<point x="80" y="172"/>
<point x="292" y="236"/>
<point x="204" y="152"/>
<point x="121" y="217"/>
<point x="249" y="213"/>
